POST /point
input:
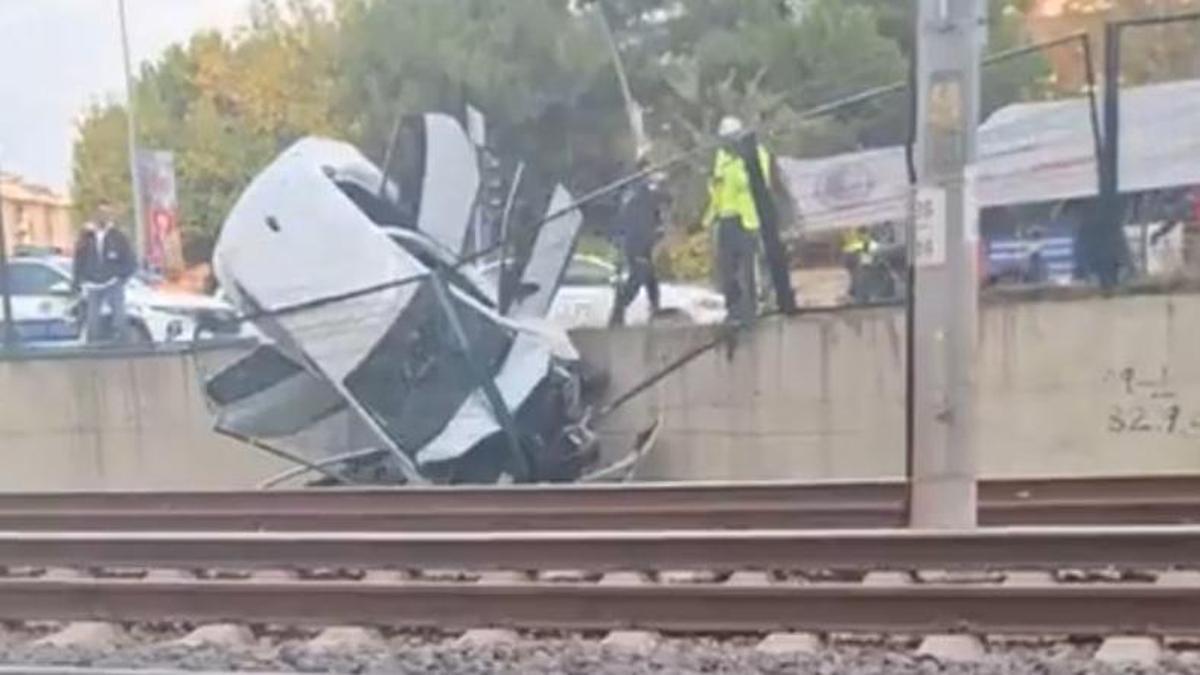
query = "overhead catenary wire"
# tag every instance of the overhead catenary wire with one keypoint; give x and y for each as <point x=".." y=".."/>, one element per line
<point x="599" y="193"/>
<point x="729" y="333"/>
<point x="669" y="164"/>
<point x="725" y="335"/>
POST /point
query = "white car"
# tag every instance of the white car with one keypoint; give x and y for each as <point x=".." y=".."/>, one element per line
<point x="589" y="290"/>
<point x="47" y="310"/>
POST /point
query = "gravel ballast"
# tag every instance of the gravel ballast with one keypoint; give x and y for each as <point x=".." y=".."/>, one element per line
<point x="404" y="654"/>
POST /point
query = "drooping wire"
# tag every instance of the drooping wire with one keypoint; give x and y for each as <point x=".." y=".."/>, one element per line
<point x="669" y="164"/>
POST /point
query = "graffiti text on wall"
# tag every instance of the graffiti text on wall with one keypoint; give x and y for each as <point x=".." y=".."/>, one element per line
<point x="1148" y="404"/>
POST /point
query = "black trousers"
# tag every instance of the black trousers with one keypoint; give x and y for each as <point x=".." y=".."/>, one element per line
<point x="736" y="251"/>
<point x="641" y="275"/>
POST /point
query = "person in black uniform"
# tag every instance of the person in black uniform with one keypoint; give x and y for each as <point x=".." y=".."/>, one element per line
<point x="104" y="263"/>
<point x="638" y="229"/>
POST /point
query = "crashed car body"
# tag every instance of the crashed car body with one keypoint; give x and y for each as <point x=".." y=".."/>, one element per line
<point x="386" y="360"/>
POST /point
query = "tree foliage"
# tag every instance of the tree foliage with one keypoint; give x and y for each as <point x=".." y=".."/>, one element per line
<point x="225" y="105"/>
<point x="539" y="69"/>
<point x="1148" y="53"/>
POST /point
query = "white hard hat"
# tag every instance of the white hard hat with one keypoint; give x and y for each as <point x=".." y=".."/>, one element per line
<point x="730" y="126"/>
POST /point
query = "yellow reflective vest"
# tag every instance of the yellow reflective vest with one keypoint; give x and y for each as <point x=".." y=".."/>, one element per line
<point x="855" y="241"/>
<point x="729" y="192"/>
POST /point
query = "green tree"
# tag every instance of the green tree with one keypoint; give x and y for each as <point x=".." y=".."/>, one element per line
<point x="764" y="60"/>
<point x="527" y="63"/>
<point x="225" y="106"/>
<point x="1148" y="53"/>
<point x="100" y="167"/>
<point x="1020" y="79"/>
<point x="539" y="69"/>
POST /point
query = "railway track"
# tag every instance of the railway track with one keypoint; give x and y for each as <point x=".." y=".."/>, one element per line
<point x="1091" y="501"/>
<point x="719" y="559"/>
<point x="1096" y="610"/>
<point x="1149" y="547"/>
<point x="757" y="581"/>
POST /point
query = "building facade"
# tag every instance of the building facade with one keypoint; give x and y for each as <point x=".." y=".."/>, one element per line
<point x="35" y="216"/>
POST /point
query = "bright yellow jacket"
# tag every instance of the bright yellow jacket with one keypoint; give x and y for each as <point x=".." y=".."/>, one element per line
<point x="729" y="192"/>
<point x="855" y="241"/>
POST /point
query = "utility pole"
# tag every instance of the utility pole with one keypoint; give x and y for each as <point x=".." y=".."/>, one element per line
<point x="10" y="322"/>
<point x="944" y="241"/>
<point x="139" y="233"/>
<point x="637" y="125"/>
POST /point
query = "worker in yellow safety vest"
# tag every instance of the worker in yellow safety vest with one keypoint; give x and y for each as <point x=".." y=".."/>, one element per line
<point x="856" y="241"/>
<point x="732" y="210"/>
<point x="858" y="251"/>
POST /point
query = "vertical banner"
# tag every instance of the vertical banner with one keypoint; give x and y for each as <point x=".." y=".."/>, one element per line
<point x="160" y="209"/>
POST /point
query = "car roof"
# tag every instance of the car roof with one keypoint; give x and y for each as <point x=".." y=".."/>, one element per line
<point x="60" y="263"/>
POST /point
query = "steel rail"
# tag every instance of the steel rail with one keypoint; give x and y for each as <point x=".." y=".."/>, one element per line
<point x="1087" y="610"/>
<point x="714" y="516"/>
<point x="1152" y="547"/>
<point x="87" y="670"/>
<point x="1072" y="501"/>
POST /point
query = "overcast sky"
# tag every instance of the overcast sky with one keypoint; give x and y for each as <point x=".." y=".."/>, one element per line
<point x="57" y="56"/>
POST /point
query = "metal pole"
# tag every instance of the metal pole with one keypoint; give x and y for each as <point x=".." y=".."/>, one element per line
<point x="910" y="285"/>
<point x="522" y="471"/>
<point x="1093" y="111"/>
<point x="632" y="109"/>
<point x="949" y="46"/>
<point x="139" y="234"/>
<point x="1106" y="227"/>
<point x="10" y="325"/>
<point x="504" y="285"/>
<point x="768" y="221"/>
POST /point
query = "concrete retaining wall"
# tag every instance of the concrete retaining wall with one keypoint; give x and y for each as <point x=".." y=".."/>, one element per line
<point x="116" y="422"/>
<point x="1087" y="386"/>
<point x="1090" y="386"/>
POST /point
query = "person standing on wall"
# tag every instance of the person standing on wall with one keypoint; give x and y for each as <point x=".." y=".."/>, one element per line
<point x="732" y="210"/>
<point x="857" y="249"/>
<point x="639" y="222"/>
<point x="104" y="263"/>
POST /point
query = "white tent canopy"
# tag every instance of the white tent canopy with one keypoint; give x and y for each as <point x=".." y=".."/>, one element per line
<point x="1028" y="152"/>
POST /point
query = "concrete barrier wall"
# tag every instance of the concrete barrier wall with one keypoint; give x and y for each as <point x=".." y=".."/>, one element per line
<point x="1091" y="386"/>
<point x="116" y="422"/>
<point x="816" y="397"/>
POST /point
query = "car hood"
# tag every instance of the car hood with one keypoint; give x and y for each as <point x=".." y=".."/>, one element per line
<point x="177" y="300"/>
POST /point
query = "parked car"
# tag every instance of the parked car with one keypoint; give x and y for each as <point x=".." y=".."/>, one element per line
<point x="48" y="310"/>
<point x="589" y="288"/>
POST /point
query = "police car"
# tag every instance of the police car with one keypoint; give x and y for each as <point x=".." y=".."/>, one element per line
<point x="48" y="311"/>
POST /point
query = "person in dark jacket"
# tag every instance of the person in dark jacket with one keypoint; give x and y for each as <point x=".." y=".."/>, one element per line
<point x="639" y="227"/>
<point x="104" y="263"/>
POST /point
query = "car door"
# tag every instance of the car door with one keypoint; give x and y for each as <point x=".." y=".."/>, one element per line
<point x="586" y="295"/>
<point x="42" y="303"/>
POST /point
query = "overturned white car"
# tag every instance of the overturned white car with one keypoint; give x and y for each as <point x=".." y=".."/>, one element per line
<point x="378" y="334"/>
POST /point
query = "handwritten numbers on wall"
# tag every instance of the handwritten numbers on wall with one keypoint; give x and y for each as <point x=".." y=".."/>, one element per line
<point x="1148" y="404"/>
